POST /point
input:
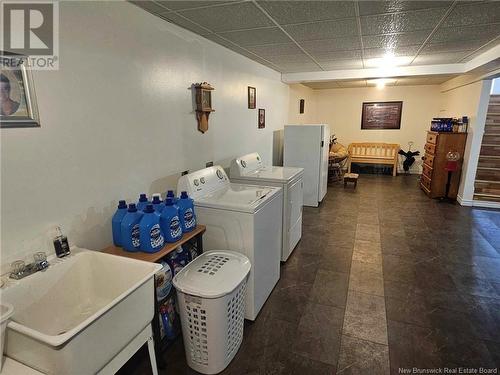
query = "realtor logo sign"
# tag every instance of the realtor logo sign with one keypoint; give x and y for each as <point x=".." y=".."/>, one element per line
<point x="31" y="29"/>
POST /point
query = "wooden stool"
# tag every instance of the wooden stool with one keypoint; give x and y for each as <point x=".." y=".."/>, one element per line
<point x="351" y="177"/>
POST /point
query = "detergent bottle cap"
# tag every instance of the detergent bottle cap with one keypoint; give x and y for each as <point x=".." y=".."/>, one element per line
<point x="143" y="198"/>
<point x="149" y="209"/>
<point x="156" y="199"/>
<point x="122" y="204"/>
<point x="132" y="207"/>
<point x="184" y="195"/>
<point x="170" y="193"/>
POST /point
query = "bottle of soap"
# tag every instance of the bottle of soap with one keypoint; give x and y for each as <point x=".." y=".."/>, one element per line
<point x="171" y="195"/>
<point x="186" y="212"/>
<point x="150" y="235"/>
<point x="143" y="201"/>
<point x="158" y="205"/>
<point x="61" y="244"/>
<point x="116" y="222"/>
<point x="169" y="222"/>
<point x="130" y="228"/>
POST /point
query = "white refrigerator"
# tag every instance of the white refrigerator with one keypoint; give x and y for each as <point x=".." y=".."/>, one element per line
<point x="307" y="146"/>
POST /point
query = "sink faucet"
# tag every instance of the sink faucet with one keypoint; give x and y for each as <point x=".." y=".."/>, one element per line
<point x="20" y="270"/>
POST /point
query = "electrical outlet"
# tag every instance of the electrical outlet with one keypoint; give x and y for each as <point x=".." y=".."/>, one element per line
<point x="209" y="164"/>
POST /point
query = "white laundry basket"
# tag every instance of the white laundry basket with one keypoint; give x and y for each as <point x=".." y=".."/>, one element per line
<point x="211" y="299"/>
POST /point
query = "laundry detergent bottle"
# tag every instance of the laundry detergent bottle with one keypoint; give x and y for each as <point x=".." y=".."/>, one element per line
<point x="143" y="201"/>
<point x="158" y="205"/>
<point x="169" y="222"/>
<point x="130" y="228"/>
<point x="171" y="195"/>
<point x="116" y="222"/>
<point x="186" y="212"/>
<point x="150" y="236"/>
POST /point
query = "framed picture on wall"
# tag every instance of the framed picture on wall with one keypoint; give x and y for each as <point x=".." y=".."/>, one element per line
<point x="262" y="118"/>
<point x="381" y="115"/>
<point x="252" y="97"/>
<point x="18" y="107"/>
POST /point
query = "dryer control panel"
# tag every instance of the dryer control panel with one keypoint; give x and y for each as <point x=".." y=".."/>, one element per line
<point x="203" y="182"/>
<point x="246" y="164"/>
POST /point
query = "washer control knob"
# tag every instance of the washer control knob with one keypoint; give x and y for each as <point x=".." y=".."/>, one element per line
<point x="219" y="174"/>
<point x="202" y="180"/>
<point x="196" y="182"/>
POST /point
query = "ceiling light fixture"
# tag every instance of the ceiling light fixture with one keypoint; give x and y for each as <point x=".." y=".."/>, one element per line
<point x="381" y="82"/>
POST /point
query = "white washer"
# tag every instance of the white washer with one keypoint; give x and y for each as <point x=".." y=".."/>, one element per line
<point x="242" y="218"/>
<point x="250" y="169"/>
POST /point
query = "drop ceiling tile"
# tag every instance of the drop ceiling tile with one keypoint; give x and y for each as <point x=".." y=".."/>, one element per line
<point x="286" y="12"/>
<point x="299" y="58"/>
<point x="182" y="22"/>
<point x="455" y="46"/>
<point x="395" y="40"/>
<point x="229" y="17"/>
<point x="255" y="37"/>
<point x="462" y="33"/>
<point x="341" y="64"/>
<point x="482" y="50"/>
<point x="331" y="45"/>
<point x="401" y="22"/>
<point x="275" y="49"/>
<point x="300" y="67"/>
<point x="440" y="58"/>
<point x="337" y="55"/>
<point x="473" y="14"/>
<point x="379" y="7"/>
<point x="178" y="5"/>
<point x="149" y="6"/>
<point x="370" y="53"/>
<point x="323" y="30"/>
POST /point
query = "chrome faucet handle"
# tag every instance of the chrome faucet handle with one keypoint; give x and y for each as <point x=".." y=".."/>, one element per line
<point x="18" y="268"/>
<point x="40" y="260"/>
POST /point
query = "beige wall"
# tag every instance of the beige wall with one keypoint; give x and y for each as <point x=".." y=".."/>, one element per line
<point x="297" y="92"/>
<point x="341" y="109"/>
<point x="468" y="100"/>
<point x="117" y="119"/>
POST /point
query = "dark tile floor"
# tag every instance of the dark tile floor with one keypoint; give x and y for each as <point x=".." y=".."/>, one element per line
<point x="383" y="280"/>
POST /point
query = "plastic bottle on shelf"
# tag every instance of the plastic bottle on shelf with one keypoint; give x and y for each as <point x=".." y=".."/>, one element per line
<point x="158" y="205"/>
<point x="151" y="238"/>
<point x="116" y="222"/>
<point x="170" y="223"/>
<point x="130" y="228"/>
<point x="171" y="195"/>
<point x="143" y="201"/>
<point x="186" y="213"/>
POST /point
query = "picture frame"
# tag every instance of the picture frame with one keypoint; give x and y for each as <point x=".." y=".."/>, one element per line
<point x="381" y="115"/>
<point x="301" y="106"/>
<point x="262" y="118"/>
<point x="252" y="97"/>
<point x="18" y="105"/>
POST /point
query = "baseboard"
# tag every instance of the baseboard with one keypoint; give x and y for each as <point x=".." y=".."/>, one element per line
<point x="477" y="203"/>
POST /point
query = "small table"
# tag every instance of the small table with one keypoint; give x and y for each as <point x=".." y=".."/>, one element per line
<point x="193" y="238"/>
<point x="351" y="177"/>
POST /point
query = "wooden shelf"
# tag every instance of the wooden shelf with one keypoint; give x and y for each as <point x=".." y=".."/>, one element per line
<point x="154" y="257"/>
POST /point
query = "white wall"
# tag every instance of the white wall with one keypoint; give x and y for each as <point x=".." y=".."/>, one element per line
<point x="341" y="109"/>
<point x="117" y="119"/>
<point x="468" y="100"/>
<point x="297" y="92"/>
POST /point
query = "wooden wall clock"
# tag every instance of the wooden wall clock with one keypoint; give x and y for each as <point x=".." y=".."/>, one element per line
<point x="203" y="104"/>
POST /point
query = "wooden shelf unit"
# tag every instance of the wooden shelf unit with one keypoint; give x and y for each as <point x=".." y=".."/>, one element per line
<point x="434" y="176"/>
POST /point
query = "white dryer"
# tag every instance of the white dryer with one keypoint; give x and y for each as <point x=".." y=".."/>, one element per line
<point x="242" y="218"/>
<point x="249" y="169"/>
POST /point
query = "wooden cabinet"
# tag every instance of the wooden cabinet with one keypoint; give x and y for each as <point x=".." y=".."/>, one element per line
<point x="434" y="175"/>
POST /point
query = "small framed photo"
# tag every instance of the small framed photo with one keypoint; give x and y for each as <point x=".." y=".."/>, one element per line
<point x="262" y="118"/>
<point x="18" y="107"/>
<point x="252" y="93"/>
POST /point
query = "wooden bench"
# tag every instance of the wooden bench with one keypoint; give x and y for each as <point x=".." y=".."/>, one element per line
<point x="374" y="153"/>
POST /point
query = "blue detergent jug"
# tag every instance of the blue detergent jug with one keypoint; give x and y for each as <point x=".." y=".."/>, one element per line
<point x="158" y="205"/>
<point x="116" y="222"/>
<point x="130" y="228"/>
<point x="171" y="195"/>
<point x="150" y="236"/>
<point x="143" y="201"/>
<point x="186" y="213"/>
<point x="169" y="222"/>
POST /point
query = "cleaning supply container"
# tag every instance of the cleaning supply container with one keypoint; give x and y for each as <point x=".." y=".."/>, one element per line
<point x="211" y="298"/>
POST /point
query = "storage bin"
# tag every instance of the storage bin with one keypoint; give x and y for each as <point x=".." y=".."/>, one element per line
<point x="211" y="300"/>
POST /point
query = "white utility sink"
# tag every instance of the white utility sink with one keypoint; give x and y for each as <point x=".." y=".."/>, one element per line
<point x="76" y="316"/>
